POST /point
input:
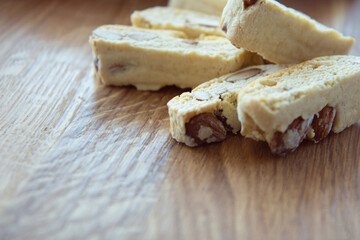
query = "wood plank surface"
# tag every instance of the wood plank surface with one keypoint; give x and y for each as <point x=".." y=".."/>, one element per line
<point x="83" y="161"/>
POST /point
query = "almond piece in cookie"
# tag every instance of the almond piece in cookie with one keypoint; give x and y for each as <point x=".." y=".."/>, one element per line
<point x="323" y="123"/>
<point x="309" y="99"/>
<point x="205" y="128"/>
<point x="288" y="141"/>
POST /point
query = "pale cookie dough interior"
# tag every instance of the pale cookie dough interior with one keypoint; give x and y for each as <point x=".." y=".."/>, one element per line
<point x="207" y="6"/>
<point x="150" y="59"/>
<point x="192" y="23"/>
<point x="279" y="34"/>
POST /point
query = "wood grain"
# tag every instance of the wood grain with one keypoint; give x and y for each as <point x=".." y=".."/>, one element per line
<point x="83" y="161"/>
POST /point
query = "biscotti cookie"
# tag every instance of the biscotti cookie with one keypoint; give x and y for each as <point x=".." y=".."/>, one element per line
<point x="280" y="34"/>
<point x="151" y="59"/>
<point x="206" y="114"/>
<point x="310" y="99"/>
<point x="193" y="23"/>
<point x="214" y="7"/>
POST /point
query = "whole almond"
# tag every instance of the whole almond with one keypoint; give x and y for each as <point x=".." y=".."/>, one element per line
<point x="205" y="128"/>
<point x="284" y="143"/>
<point x="323" y="123"/>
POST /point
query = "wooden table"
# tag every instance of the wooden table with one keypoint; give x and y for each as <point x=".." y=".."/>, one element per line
<point x="83" y="161"/>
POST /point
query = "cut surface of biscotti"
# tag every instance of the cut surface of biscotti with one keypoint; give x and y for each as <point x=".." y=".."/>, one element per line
<point x="150" y="59"/>
<point x="209" y="112"/>
<point x="192" y="23"/>
<point x="207" y="6"/>
<point x="279" y="34"/>
<point x="306" y="100"/>
<point x="196" y="25"/>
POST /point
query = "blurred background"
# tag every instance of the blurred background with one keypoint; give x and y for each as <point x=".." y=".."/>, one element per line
<point x="75" y="14"/>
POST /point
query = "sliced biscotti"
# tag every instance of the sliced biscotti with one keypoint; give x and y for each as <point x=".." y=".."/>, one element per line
<point x="307" y="100"/>
<point x="150" y="59"/>
<point x="193" y="23"/>
<point x="280" y="34"/>
<point x="196" y="25"/>
<point x="209" y="112"/>
<point x="207" y="6"/>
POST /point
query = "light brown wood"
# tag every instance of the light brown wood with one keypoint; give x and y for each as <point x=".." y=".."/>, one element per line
<point x="83" y="161"/>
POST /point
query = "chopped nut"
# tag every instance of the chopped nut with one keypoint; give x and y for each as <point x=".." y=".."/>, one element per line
<point x="221" y="92"/>
<point x="96" y="64"/>
<point x="248" y="3"/>
<point x="118" y="67"/>
<point x="284" y="143"/>
<point x="191" y="42"/>
<point x="207" y="25"/>
<point x="322" y="123"/>
<point x="205" y="128"/>
<point x="243" y="75"/>
<point x="223" y="119"/>
<point x="224" y="27"/>
<point x="201" y="96"/>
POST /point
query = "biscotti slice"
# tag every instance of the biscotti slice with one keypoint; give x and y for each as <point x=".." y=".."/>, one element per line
<point x="193" y="23"/>
<point x="209" y="112"/>
<point x="196" y="25"/>
<point x="151" y="59"/>
<point x="307" y="100"/>
<point x="280" y="34"/>
<point x="214" y="7"/>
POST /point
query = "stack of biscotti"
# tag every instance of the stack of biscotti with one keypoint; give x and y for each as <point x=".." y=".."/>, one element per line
<point x="262" y="70"/>
<point x="166" y="46"/>
<point x="280" y="104"/>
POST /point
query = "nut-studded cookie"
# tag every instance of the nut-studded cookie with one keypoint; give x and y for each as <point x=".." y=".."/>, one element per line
<point x="208" y="113"/>
<point x="193" y="23"/>
<point x="151" y="59"/>
<point x="280" y="34"/>
<point x="308" y="100"/>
